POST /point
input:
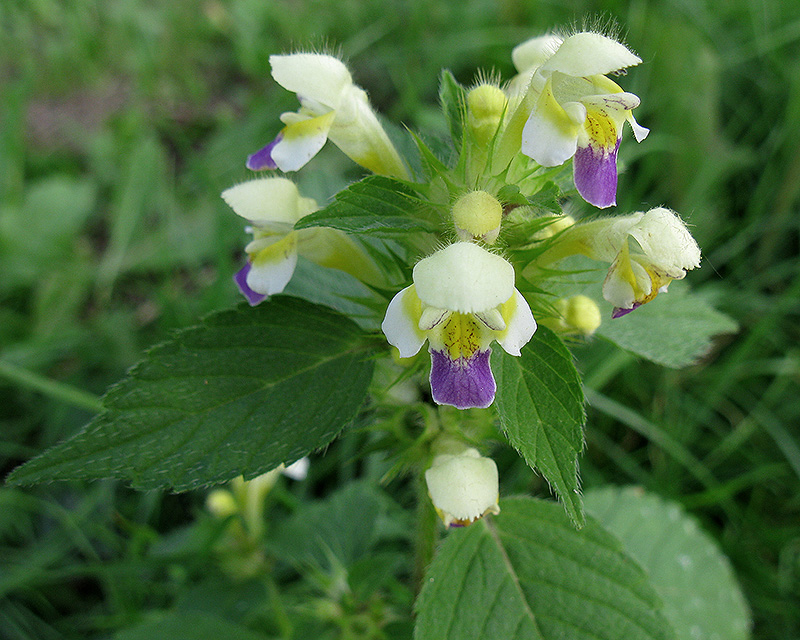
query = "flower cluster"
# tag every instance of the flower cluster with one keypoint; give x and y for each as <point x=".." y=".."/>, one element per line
<point x="481" y="270"/>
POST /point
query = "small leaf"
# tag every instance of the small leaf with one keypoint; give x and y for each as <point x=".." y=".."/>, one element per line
<point x="249" y="389"/>
<point x="527" y="574"/>
<point x="701" y="597"/>
<point x="376" y="205"/>
<point x="452" y="96"/>
<point x="540" y="404"/>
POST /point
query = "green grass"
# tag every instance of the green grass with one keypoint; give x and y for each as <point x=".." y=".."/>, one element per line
<point x="121" y="122"/>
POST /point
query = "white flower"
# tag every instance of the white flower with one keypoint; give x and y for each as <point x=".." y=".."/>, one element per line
<point x="272" y="206"/>
<point x="663" y="250"/>
<point x="462" y="299"/>
<point x="579" y="112"/>
<point x="331" y="106"/>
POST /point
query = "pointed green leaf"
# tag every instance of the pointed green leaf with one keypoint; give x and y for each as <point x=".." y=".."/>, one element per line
<point x="701" y="597"/>
<point x="453" y="98"/>
<point x="527" y="574"/>
<point x="376" y="205"/>
<point x="247" y="390"/>
<point x="540" y="403"/>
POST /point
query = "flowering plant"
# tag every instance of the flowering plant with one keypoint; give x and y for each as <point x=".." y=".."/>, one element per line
<point x="458" y="243"/>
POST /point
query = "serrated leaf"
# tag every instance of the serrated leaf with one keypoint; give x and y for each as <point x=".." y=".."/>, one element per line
<point x="376" y="205"/>
<point x="540" y="403"/>
<point x="701" y="597"/>
<point x="527" y="574"/>
<point x="247" y="390"/>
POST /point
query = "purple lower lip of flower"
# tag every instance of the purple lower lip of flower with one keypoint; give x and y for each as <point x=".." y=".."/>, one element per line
<point x="464" y="383"/>
<point x="240" y="278"/>
<point x="262" y="159"/>
<point x="595" y="173"/>
<point x="618" y="312"/>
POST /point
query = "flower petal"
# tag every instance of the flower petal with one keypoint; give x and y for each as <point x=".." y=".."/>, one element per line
<point x="240" y="278"/>
<point x="401" y="323"/>
<point x="268" y="201"/>
<point x="534" y="52"/>
<point x="595" y="173"/>
<point x="464" y="383"/>
<point x="588" y="54"/>
<point x="639" y="132"/>
<point x="262" y="159"/>
<point x="550" y="136"/>
<point x="272" y="267"/>
<point x="520" y="324"/>
<point x="666" y="242"/>
<point x="320" y="77"/>
<point x="301" y="141"/>
<point x="464" y="277"/>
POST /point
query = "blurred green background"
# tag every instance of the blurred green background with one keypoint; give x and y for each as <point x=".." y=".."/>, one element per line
<point x="121" y="121"/>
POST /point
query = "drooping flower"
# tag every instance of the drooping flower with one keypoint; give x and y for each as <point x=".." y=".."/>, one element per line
<point x="462" y="298"/>
<point x="331" y="106"/>
<point x="463" y="487"/>
<point x="662" y="250"/>
<point x="578" y="112"/>
<point x="272" y="206"/>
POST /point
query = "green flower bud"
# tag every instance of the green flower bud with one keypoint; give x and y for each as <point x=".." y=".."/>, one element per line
<point x="477" y="215"/>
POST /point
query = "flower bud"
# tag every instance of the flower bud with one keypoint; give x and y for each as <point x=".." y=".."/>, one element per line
<point x="477" y="214"/>
<point x="463" y="487"/>
<point x="221" y="503"/>
<point x="485" y="107"/>
<point x="579" y="314"/>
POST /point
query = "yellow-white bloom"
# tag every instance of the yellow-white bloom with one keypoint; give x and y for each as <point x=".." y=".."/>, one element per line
<point x="663" y="250"/>
<point x="579" y="112"/>
<point x="462" y="299"/>
<point x="463" y="487"/>
<point x="331" y="106"/>
<point x="272" y="206"/>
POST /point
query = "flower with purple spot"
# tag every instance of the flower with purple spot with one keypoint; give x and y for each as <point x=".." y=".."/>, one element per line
<point x="461" y="300"/>
<point x="331" y="107"/>
<point x="272" y="206"/>
<point x="579" y="113"/>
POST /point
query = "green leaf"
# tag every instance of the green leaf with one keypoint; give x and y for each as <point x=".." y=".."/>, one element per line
<point x="540" y="403"/>
<point x="376" y="205"/>
<point x="453" y="98"/>
<point x="347" y="525"/>
<point x="527" y="574"/>
<point x="701" y="597"/>
<point x="247" y="390"/>
<point x="674" y="330"/>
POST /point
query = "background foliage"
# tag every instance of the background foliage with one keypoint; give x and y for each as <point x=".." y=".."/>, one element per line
<point x="121" y="122"/>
